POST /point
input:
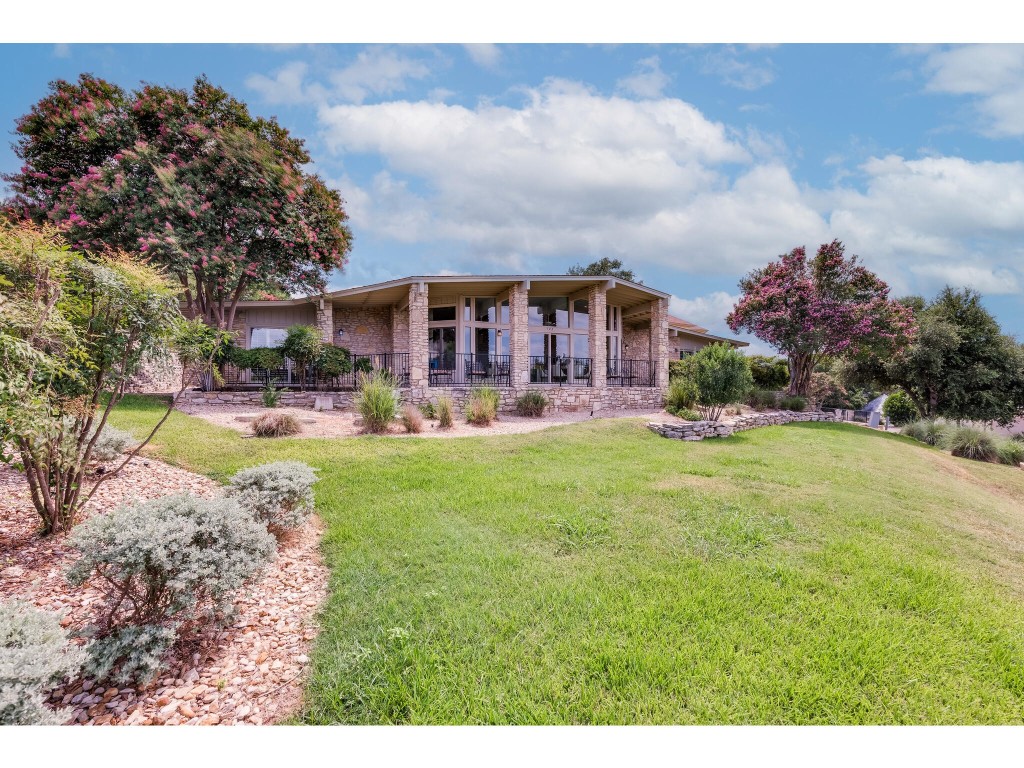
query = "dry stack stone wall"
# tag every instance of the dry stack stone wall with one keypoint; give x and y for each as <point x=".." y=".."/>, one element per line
<point x="254" y="398"/>
<point x="698" y="430"/>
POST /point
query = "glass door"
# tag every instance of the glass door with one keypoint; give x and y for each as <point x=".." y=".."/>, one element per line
<point x="442" y="349"/>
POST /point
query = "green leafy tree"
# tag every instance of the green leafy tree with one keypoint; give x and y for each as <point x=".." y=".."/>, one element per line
<point x="304" y="346"/>
<point x="73" y="332"/>
<point x="217" y="197"/>
<point x="721" y="376"/>
<point x="771" y="373"/>
<point x="960" y="365"/>
<point x="604" y="267"/>
<point x="899" y="408"/>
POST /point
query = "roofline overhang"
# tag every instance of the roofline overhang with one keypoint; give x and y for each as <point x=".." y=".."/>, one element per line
<point x="456" y="279"/>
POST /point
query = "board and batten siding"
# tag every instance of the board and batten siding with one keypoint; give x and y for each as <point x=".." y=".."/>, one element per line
<point x="275" y="317"/>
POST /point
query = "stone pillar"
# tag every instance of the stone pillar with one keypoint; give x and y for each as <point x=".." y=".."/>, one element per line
<point x="325" y="320"/>
<point x="519" y="328"/>
<point x="659" y="342"/>
<point x="419" y="342"/>
<point x="597" y="301"/>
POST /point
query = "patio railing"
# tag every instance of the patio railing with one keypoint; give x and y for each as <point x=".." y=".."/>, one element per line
<point x="563" y="371"/>
<point x="288" y="377"/>
<point x="630" y="373"/>
<point x="470" y="370"/>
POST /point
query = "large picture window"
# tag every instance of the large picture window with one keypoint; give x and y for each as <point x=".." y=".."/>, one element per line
<point x="267" y="337"/>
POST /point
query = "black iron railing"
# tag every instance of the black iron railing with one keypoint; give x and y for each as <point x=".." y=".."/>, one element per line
<point x="470" y="370"/>
<point x="288" y="376"/>
<point x="630" y="373"/>
<point x="563" y="371"/>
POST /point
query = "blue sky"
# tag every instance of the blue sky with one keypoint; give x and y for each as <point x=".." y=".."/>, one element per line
<point x="692" y="163"/>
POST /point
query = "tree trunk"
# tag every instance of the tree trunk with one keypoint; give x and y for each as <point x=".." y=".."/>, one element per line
<point x="800" y="369"/>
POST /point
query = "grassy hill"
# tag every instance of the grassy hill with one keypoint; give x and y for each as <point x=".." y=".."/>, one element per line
<point x="597" y="573"/>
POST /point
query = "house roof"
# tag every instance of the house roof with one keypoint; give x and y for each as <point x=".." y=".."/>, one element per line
<point x="624" y="293"/>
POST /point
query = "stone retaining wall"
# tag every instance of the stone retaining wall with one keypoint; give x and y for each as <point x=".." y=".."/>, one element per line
<point x="289" y="398"/>
<point x="698" y="430"/>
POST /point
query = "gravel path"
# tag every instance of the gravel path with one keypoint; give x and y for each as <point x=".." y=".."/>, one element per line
<point x="252" y="672"/>
<point x="346" y="423"/>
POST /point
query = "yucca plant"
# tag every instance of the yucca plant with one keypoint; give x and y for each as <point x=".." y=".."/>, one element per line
<point x="377" y="400"/>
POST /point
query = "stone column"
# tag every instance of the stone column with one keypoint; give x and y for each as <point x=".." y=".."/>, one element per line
<point x="325" y="320"/>
<point x="597" y="301"/>
<point x="519" y="343"/>
<point x="659" y="342"/>
<point x="419" y="342"/>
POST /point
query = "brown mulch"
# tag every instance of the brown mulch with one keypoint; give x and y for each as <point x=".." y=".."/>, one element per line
<point x="252" y="672"/>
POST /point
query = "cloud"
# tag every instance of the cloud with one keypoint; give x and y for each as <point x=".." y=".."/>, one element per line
<point x="707" y="311"/>
<point x="62" y="51"/>
<point x="993" y="74"/>
<point x="736" y="69"/>
<point x="647" y="81"/>
<point x="486" y="55"/>
<point x="572" y="173"/>
<point x="983" y="279"/>
<point x="375" y="71"/>
<point x="287" y="86"/>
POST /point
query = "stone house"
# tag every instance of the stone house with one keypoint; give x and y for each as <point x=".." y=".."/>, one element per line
<point x="588" y="342"/>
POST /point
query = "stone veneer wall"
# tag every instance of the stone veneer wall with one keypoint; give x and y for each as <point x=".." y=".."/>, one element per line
<point x="698" y="430"/>
<point x="399" y="330"/>
<point x="597" y="302"/>
<point x="636" y="340"/>
<point x="419" y="341"/>
<point x="658" y="335"/>
<point x="367" y="329"/>
<point x="560" y="398"/>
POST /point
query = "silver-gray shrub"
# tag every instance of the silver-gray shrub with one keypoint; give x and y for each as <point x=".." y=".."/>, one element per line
<point x="111" y="443"/>
<point x="279" y="494"/>
<point x="34" y="656"/>
<point x="170" y="562"/>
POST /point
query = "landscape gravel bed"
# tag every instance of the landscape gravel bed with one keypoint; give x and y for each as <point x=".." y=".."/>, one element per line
<point x="252" y="672"/>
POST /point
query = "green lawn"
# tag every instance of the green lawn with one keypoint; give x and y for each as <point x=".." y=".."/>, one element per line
<point x="597" y="573"/>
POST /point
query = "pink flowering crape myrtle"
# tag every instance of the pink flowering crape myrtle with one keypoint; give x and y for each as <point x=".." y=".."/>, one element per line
<point x="824" y="307"/>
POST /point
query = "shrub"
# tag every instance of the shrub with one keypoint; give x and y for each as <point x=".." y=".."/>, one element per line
<point x="377" y="400"/>
<point x="412" y="419"/>
<point x="162" y="565"/>
<point x="428" y="410"/>
<point x="531" y="403"/>
<point x="279" y="494"/>
<point x="34" y="656"/>
<point x="1010" y="452"/>
<point x="111" y="443"/>
<point x="270" y="396"/>
<point x="482" y="407"/>
<point x="793" y="403"/>
<point x="971" y="443"/>
<point x="275" y="425"/>
<point x="445" y="412"/>
<point x="762" y="399"/>
<point x="679" y="369"/>
<point x="1019" y="437"/>
<point x="263" y="359"/>
<point x="899" y="408"/>
<point x="768" y="372"/>
<point x="333" y="361"/>
<point x="681" y="393"/>
<point x="721" y="376"/>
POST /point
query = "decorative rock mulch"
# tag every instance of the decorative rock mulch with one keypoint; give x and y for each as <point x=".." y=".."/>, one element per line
<point x="693" y="431"/>
<point x="252" y="672"/>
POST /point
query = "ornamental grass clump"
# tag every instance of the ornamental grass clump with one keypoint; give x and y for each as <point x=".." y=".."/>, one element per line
<point x="445" y="412"/>
<point x="482" y="407"/>
<point x="377" y="400"/>
<point x="531" y="403"/>
<point x="412" y="419"/>
<point x="1010" y="452"/>
<point x="279" y="494"/>
<point x="793" y="403"/>
<point x="275" y="425"/>
<point x="681" y="394"/>
<point x="930" y="431"/>
<point x="34" y="656"/>
<point x="167" y="568"/>
<point x="971" y="443"/>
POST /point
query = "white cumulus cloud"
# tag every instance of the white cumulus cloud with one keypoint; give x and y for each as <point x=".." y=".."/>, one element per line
<point x="992" y="74"/>
<point x="648" y="81"/>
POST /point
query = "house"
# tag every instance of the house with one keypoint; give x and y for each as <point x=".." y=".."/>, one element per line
<point x="588" y="342"/>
